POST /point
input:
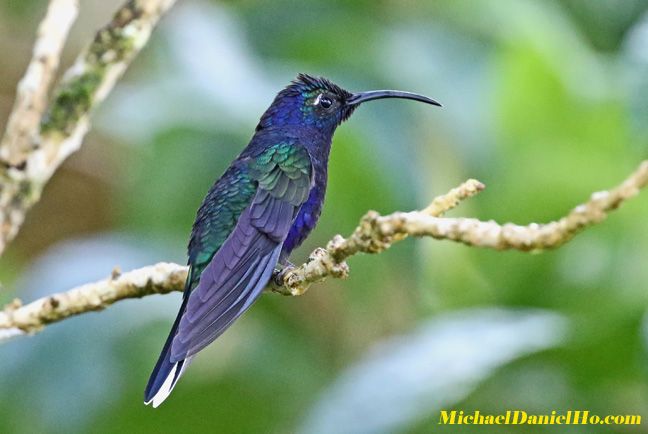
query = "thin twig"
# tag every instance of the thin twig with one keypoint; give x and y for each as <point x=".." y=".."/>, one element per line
<point x="161" y="278"/>
<point x="366" y="238"/>
<point x="532" y="237"/>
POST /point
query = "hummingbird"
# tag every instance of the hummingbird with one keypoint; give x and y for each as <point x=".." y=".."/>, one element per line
<point x="265" y="204"/>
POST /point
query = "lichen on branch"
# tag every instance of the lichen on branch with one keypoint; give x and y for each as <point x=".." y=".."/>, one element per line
<point x="22" y="129"/>
<point x="32" y="153"/>
<point x="108" y="54"/>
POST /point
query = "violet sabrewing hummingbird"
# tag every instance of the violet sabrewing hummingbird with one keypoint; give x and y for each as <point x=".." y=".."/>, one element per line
<point x="265" y="204"/>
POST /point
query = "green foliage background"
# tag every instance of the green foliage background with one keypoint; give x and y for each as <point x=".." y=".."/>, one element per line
<point x="545" y="102"/>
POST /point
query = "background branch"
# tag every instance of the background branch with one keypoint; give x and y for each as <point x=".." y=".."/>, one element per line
<point x="31" y="94"/>
<point x="33" y="148"/>
<point x="374" y="234"/>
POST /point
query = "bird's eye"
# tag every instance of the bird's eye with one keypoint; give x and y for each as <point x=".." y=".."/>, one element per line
<point x="325" y="102"/>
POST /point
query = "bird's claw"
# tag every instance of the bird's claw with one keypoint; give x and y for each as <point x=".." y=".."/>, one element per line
<point x="279" y="275"/>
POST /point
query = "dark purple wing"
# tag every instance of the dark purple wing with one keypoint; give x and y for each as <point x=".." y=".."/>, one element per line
<point x="242" y="267"/>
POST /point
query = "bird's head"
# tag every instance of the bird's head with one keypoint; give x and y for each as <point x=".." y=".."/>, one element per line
<point x="317" y="102"/>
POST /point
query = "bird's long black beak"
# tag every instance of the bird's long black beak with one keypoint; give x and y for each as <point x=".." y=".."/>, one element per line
<point x="360" y="97"/>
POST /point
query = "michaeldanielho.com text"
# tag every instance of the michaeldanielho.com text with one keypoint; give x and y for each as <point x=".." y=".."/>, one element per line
<point x="521" y="417"/>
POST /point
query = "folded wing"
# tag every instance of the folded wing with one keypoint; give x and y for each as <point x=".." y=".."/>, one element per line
<point x="242" y="267"/>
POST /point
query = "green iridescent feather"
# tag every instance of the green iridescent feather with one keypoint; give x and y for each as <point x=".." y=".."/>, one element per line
<point x="226" y="200"/>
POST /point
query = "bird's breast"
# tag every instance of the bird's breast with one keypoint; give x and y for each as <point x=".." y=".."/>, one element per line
<point x="307" y="216"/>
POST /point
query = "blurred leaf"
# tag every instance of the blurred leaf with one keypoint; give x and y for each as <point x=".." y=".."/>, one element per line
<point x="433" y="368"/>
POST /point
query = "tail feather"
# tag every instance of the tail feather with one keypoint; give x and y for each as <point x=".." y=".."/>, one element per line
<point x="165" y="375"/>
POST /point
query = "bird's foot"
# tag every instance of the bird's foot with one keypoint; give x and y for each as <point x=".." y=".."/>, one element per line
<point x="279" y="274"/>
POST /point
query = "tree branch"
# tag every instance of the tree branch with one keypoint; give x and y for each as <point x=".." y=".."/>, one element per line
<point x="31" y="94"/>
<point x="33" y="148"/>
<point x="161" y="278"/>
<point x="374" y="234"/>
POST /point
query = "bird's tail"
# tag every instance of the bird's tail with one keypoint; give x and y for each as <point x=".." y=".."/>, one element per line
<point x="166" y="373"/>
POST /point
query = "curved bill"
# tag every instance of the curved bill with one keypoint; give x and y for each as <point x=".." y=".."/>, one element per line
<point x="360" y="97"/>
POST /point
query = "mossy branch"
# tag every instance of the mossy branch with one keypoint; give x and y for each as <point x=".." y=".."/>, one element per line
<point x="21" y="134"/>
<point x="374" y="234"/>
<point x="41" y="135"/>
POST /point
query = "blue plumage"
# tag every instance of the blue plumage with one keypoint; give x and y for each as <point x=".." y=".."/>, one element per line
<point x="264" y="206"/>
